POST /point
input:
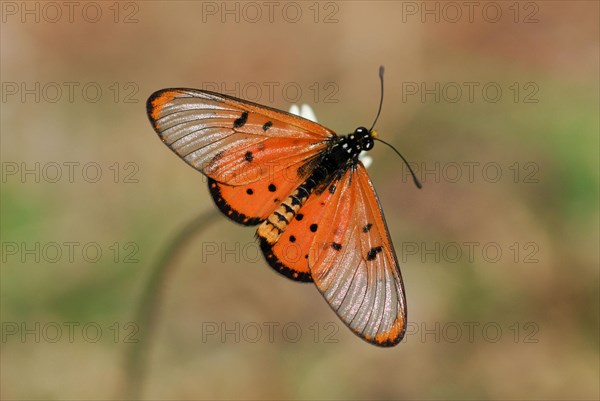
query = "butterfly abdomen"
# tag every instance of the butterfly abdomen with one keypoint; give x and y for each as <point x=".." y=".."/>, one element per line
<point x="275" y="224"/>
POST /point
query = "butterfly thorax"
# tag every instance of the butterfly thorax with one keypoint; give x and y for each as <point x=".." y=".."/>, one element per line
<point x="345" y="150"/>
<point x="335" y="161"/>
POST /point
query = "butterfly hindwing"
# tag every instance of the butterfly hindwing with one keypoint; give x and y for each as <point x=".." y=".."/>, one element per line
<point x="251" y="203"/>
<point x="289" y="255"/>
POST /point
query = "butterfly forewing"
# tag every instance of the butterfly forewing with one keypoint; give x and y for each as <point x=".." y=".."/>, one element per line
<point x="339" y="239"/>
<point x="230" y="140"/>
<point x="354" y="265"/>
<point x="254" y="155"/>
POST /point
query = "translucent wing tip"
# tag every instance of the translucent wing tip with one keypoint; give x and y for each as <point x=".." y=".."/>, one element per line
<point x="156" y="103"/>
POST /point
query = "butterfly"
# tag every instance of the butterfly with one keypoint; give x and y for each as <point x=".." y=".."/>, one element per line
<point x="319" y="219"/>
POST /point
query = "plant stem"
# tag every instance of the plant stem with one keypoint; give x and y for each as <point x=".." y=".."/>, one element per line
<point x="147" y="312"/>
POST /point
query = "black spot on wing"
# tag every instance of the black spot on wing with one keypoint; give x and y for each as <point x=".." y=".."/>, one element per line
<point x="267" y="125"/>
<point x="248" y="156"/>
<point x="215" y="190"/>
<point x="272" y="188"/>
<point x="249" y="191"/>
<point x="372" y="254"/>
<point x="276" y="264"/>
<point x="336" y="246"/>
<point x="313" y="227"/>
<point x="299" y="216"/>
<point x="367" y="228"/>
<point x="241" y="121"/>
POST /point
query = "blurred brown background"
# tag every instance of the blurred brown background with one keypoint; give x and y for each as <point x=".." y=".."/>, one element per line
<point x="495" y="103"/>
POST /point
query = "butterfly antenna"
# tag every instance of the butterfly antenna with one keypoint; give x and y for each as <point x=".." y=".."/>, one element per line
<point x="415" y="179"/>
<point x="381" y="70"/>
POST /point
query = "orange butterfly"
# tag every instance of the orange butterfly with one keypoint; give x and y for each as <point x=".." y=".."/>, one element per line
<point x="319" y="217"/>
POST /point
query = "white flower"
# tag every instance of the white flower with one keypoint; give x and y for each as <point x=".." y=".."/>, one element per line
<point x="365" y="159"/>
<point x="305" y="111"/>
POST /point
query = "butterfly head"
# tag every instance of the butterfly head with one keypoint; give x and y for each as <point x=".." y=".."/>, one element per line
<point x="364" y="138"/>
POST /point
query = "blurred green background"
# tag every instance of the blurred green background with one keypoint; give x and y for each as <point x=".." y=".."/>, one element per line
<point x="499" y="251"/>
